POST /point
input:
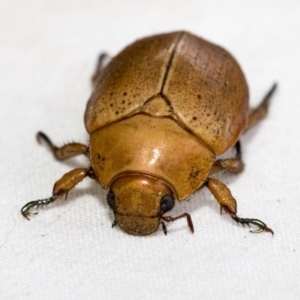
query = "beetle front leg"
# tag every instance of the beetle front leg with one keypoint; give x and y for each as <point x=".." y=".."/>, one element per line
<point x="223" y="195"/>
<point x="64" y="152"/>
<point x="61" y="188"/>
<point x="233" y="165"/>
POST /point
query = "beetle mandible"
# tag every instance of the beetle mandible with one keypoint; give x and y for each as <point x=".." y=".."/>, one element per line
<point x="160" y="113"/>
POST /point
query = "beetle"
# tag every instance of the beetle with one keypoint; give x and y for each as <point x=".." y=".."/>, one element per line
<point x="160" y="114"/>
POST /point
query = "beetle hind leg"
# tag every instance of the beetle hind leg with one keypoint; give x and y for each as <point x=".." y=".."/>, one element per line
<point x="260" y="112"/>
<point x="37" y="203"/>
<point x="102" y="61"/>
<point x="64" y="152"/>
<point x="223" y="195"/>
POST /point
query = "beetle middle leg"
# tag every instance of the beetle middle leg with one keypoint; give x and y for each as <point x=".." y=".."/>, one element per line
<point x="223" y="195"/>
<point x="60" y="188"/>
<point x="64" y="152"/>
<point x="234" y="165"/>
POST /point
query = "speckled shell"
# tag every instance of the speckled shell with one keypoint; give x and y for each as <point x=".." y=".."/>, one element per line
<point x="202" y="87"/>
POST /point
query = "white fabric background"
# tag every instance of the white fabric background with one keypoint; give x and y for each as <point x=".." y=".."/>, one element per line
<point x="48" y="51"/>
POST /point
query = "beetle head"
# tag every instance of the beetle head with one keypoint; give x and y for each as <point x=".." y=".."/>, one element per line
<point x="138" y="202"/>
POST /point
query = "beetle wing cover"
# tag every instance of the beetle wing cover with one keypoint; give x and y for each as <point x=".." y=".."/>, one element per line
<point x="130" y="79"/>
<point x="208" y="92"/>
<point x="202" y="83"/>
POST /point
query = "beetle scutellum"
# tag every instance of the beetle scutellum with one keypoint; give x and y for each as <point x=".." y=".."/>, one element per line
<point x="160" y="113"/>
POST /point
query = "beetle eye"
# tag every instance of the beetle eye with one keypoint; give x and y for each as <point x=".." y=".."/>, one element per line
<point x="167" y="203"/>
<point x="111" y="199"/>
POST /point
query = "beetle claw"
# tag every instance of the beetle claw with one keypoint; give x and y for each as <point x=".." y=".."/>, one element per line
<point x="29" y="214"/>
<point x="261" y="225"/>
<point x="257" y="230"/>
<point x="25" y="210"/>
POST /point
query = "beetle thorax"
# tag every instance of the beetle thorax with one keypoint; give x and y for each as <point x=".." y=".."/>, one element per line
<point x="154" y="146"/>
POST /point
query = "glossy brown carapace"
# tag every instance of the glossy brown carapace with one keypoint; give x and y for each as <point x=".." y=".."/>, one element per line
<point x="160" y="113"/>
<point x="199" y="84"/>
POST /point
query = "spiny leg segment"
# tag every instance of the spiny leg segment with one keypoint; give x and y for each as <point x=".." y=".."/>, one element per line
<point x="258" y="113"/>
<point x="223" y="195"/>
<point x="64" y="152"/>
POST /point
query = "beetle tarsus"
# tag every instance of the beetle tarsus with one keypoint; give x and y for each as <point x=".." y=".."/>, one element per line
<point x="37" y="203"/>
<point x="260" y="112"/>
<point x="245" y="221"/>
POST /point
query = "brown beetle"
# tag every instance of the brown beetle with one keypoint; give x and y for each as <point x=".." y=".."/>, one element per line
<point x="161" y="112"/>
